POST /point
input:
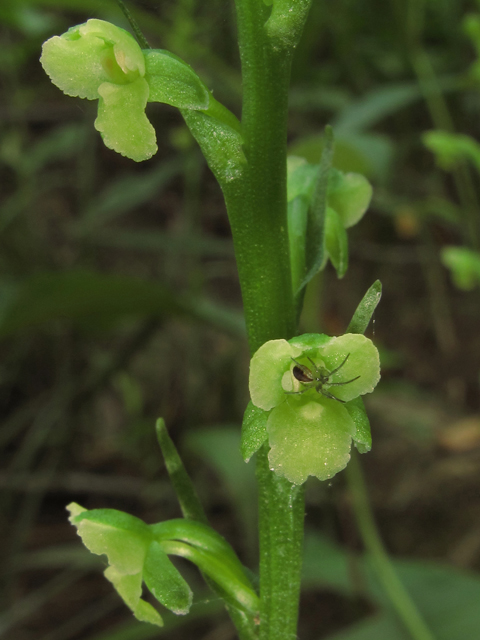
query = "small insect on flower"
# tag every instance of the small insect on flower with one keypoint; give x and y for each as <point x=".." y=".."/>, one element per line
<point x="318" y="378"/>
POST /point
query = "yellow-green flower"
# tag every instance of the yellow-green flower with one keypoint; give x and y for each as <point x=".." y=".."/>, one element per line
<point x="306" y="393"/>
<point x="100" y="61"/>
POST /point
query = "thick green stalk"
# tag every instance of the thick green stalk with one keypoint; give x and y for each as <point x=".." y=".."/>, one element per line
<point x="257" y="206"/>
<point x="257" y="210"/>
<point x="281" y="510"/>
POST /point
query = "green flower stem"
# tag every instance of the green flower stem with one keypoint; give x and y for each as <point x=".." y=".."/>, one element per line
<point x="257" y="208"/>
<point x="281" y="510"/>
<point x="396" y="592"/>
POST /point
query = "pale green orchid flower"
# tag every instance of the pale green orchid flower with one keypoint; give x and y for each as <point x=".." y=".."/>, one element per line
<point x="100" y="61"/>
<point x="307" y="397"/>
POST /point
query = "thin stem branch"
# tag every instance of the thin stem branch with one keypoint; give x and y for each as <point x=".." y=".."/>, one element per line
<point x="441" y="118"/>
<point x="394" y="588"/>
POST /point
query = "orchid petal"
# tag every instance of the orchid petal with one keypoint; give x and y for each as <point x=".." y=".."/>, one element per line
<point x="309" y="438"/>
<point x="122" y="121"/>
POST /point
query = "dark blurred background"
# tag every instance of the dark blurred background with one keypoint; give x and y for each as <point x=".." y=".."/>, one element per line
<point x="119" y="303"/>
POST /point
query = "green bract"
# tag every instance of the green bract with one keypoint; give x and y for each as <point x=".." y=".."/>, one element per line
<point x="100" y="61"/>
<point x="308" y="431"/>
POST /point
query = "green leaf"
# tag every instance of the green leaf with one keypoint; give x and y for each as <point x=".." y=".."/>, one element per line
<point x="165" y="581"/>
<point x="173" y="81"/>
<point x="219" y="447"/>
<point x="336" y="242"/>
<point x="97" y="300"/>
<point x="365" y="310"/>
<point x="187" y="496"/>
<point x="446" y="598"/>
<point x="464" y="265"/>
<point x="362" y="436"/>
<point x="326" y="565"/>
<point x="176" y="242"/>
<point x="375" y="106"/>
<point x="86" y="297"/>
<point x="451" y="148"/>
<point x="254" y="430"/>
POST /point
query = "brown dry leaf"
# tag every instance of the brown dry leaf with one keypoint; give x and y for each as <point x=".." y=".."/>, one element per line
<point x="461" y="436"/>
<point x="406" y="223"/>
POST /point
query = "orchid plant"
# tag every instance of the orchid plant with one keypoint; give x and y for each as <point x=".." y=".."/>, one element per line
<point x="306" y="407"/>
